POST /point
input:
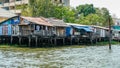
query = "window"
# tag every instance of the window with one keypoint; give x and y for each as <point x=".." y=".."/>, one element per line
<point x="5" y="30"/>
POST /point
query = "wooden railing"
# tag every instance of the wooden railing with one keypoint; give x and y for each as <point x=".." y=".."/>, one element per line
<point x="44" y="33"/>
<point x="25" y="32"/>
<point x="37" y="33"/>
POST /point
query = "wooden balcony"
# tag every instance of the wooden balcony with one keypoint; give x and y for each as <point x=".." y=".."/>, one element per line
<point x="42" y="33"/>
<point x="25" y="32"/>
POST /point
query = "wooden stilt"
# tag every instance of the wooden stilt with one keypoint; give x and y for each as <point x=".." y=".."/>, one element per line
<point x="20" y="41"/>
<point x="36" y="40"/>
<point x="78" y="40"/>
<point x="55" y="41"/>
<point x="29" y="41"/>
<point x="51" y="41"/>
<point x="0" y="40"/>
<point x="71" y="41"/>
<point x="11" y="41"/>
<point x="63" y="41"/>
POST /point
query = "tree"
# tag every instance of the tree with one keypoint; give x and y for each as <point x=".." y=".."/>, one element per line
<point x="83" y="14"/>
<point x="106" y="16"/>
<point x="90" y="15"/>
<point x="38" y="8"/>
<point x="85" y="9"/>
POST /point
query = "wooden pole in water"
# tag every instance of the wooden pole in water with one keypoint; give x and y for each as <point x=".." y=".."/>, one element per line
<point x="109" y="33"/>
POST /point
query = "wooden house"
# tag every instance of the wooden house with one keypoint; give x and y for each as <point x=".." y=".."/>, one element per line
<point x="116" y="32"/>
<point x="8" y="23"/>
<point x="78" y="30"/>
<point x="100" y="32"/>
<point x="35" y="26"/>
<point x="59" y="26"/>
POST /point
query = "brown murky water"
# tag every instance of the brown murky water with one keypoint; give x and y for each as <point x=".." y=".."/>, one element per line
<point x="88" y="57"/>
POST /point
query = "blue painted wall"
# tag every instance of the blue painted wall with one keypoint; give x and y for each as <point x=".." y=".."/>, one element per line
<point x="0" y="30"/>
<point x="9" y="23"/>
<point x="68" y="31"/>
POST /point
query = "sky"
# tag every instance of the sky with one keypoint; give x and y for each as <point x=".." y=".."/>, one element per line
<point x="112" y="5"/>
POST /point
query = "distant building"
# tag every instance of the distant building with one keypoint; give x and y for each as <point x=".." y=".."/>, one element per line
<point x="64" y="2"/>
<point x="116" y="21"/>
<point x="12" y="4"/>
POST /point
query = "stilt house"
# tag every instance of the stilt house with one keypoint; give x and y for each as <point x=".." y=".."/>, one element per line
<point x="35" y="26"/>
<point x="8" y="23"/>
<point x="78" y="30"/>
<point x="59" y="26"/>
<point x="100" y="33"/>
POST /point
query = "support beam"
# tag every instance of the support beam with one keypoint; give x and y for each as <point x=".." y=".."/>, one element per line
<point x="51" y="41"/>
<point x="29" y="43"/>
<point x="78" y="41"/>
<point x="70" y="40"/>
<point x="11" y="40"/>
<point x="36" y="41"/>
<point x="63" y="41"/>
<point x="20" y="41"/>
<point x="55" y="41"/>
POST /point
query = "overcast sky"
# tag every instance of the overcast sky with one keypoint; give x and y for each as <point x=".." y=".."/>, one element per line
<point x="112" y="5"/>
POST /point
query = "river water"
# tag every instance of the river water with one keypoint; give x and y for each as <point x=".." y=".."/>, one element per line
<point x="87" y="57"/>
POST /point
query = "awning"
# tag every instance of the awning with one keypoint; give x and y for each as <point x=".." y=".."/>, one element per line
<point x="86" y="28"/>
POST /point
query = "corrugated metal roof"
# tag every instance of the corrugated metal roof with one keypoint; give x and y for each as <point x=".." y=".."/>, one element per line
<point x="3" y="19"/>
<point x="6" y="14"/>
<point x="75" y="24"/>
<point x="56" y="22"/>
<point x="100" y="27"/>
<point x="37" y="20"/>
<point x="87" y="29"/>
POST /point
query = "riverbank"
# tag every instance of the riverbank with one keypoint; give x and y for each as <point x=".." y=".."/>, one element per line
<point x="31" y="49"/>
<point x="106" y="43"/>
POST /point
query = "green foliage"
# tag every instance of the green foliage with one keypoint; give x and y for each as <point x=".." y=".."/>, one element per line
<point x="91" y="19"/>
<point x="46" y="8"/>
<point x="83" y="14"/>
<point x="69" y="15"/>
<point x="89" y="15"/>
<point x="86" y="9"/>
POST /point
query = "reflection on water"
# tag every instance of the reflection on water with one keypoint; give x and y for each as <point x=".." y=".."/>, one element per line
<point x="88" y="57"/>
